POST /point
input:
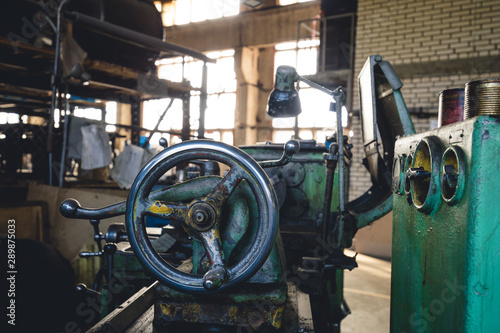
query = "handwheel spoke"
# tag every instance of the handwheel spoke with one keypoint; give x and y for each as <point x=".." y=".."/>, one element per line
<point x="166" y="210"/>
<point x="217" y="272"/>
<point x="224" y="189"/>
<point x="211" y="241"/>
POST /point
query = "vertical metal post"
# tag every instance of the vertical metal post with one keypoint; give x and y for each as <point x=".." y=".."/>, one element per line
<point x="185" y="133"/>
<point x="65" y="139"/>
<point x="323" y="42"/>
<point x="339" y="97"/>
<point x="203" y="101"/>
<point x="135" y="109"/>
<point x="351" y="65"/>
<point x="56" y="80"/>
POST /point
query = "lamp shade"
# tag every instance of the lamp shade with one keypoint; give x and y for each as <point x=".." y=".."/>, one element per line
<point x="284" y="99"/>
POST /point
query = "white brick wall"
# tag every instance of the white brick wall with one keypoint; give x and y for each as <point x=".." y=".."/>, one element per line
<point x="419" y="31"/>
<point x="407" y="32"/>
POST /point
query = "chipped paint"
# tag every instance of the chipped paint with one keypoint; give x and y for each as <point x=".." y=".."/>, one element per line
<point x="276" y="317"/>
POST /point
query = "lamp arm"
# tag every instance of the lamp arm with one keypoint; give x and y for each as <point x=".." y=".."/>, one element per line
<point x="320" y="87"/>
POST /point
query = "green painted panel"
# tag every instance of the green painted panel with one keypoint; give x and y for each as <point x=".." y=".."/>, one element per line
<point x="444" y="272"/>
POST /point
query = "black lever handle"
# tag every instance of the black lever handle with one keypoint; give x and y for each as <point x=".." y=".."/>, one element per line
<point x="214" y="278"/>
<point x="291" y="147"/>
<point x="72" y="209"/>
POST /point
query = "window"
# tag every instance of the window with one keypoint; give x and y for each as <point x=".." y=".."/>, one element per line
<point x="9" y="118"/>
<point x="96" y="114"/>
<point x="316" y="121"/>
<point x="179" y="12"/>
<point x="221" y="100"/>
<point x="291" y="2"/>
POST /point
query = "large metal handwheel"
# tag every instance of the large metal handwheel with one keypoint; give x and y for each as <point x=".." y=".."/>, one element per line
<point x="201" y="217"/>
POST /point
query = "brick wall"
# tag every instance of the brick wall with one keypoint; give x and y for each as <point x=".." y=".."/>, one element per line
<point x="433" y="45"/>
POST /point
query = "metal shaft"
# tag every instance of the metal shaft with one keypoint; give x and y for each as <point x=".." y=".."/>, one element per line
<point x="339" y="96"/>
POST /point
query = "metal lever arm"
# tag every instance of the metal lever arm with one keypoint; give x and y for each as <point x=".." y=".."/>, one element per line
<point x="418" y="174"/>
<point x="290" y="148"/>
<point x="72" y="209"/>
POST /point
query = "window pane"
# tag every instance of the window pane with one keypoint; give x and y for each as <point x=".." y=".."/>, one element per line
<point x="287" y="2"/>
<point x="153" y="110"/>
<point x="220" y="104"/>
<point x="202" y="10"/>
<point x="315" y="109"/>
<point x="172" y="72"/>
<point x="285" y="46"/>
<point x="89" y="113"/>
<point x="182" y="11"/>
<point x="193" y="71"/>
<point x="306" y="134"/>
<point x="231" y="7"/>
<point x="283" y="122"/>
<point x="321" y="136"/>
<point x="221" y="76"/>
<point x="173" y="118"/>
<point x="285" y="58"/>
<point x="214" y="9"/>
<point x="9" y="118"/>
<point x="111" y="110"/>
<point x="194" y="112"/>
<point x="213" y="135"/>
<point x="168" y="14"/>
<point x="220" y="111"/>
<point x="307" y="61"/>
<point x="282" y="136"/>
<point x="228" y="137"/>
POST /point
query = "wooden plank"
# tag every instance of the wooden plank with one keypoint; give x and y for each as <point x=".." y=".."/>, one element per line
<point x="144" y="323"/>
<point x="126" y="314"/>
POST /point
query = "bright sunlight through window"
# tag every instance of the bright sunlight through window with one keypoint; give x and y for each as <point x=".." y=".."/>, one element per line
<point x="221" y="101"/>
<point x="316" y="121"/>
<point x="179" y="12"/>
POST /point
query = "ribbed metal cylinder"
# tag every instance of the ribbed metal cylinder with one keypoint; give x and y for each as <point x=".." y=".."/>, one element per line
<point x="451" y="106"/>
<point x="482" y="98"/>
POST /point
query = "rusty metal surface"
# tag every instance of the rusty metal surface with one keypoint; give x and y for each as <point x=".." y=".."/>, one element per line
<point x="252" y="306"/>
<point x="451" y="106"/>
<point x="482" y="98"/>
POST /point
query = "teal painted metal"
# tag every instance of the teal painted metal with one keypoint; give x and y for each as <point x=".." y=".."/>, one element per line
<point x="305" y="176"/>
<point x="444" y="272"/>
<point x="301" y="225"/>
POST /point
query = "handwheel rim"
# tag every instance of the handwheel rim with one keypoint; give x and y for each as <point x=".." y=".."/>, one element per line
<point x="262" y="244"/>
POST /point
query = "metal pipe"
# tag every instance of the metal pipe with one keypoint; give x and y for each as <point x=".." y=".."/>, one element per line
<point x="145" y="144"/>
<point x="203" y="101"/>
<point x="331" y="164"/>
<point x="133" y="37"/>
<point x="55" y="84"/>
<point x="339" y="98"/>
<point x="319" y="87"/>
<point x="64" y="145"/>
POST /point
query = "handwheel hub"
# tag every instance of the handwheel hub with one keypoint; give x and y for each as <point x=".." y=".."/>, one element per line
<point x="201" y="216"/>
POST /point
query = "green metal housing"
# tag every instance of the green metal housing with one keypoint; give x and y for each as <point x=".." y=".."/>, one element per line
<point x="446" y="235"/>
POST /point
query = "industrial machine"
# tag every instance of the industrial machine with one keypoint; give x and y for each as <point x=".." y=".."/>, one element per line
<point x="445" y="226"/>
<point x="245" y="249"/>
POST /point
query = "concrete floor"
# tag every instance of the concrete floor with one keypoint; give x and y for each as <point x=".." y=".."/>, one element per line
<point x="367" y="291"/>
